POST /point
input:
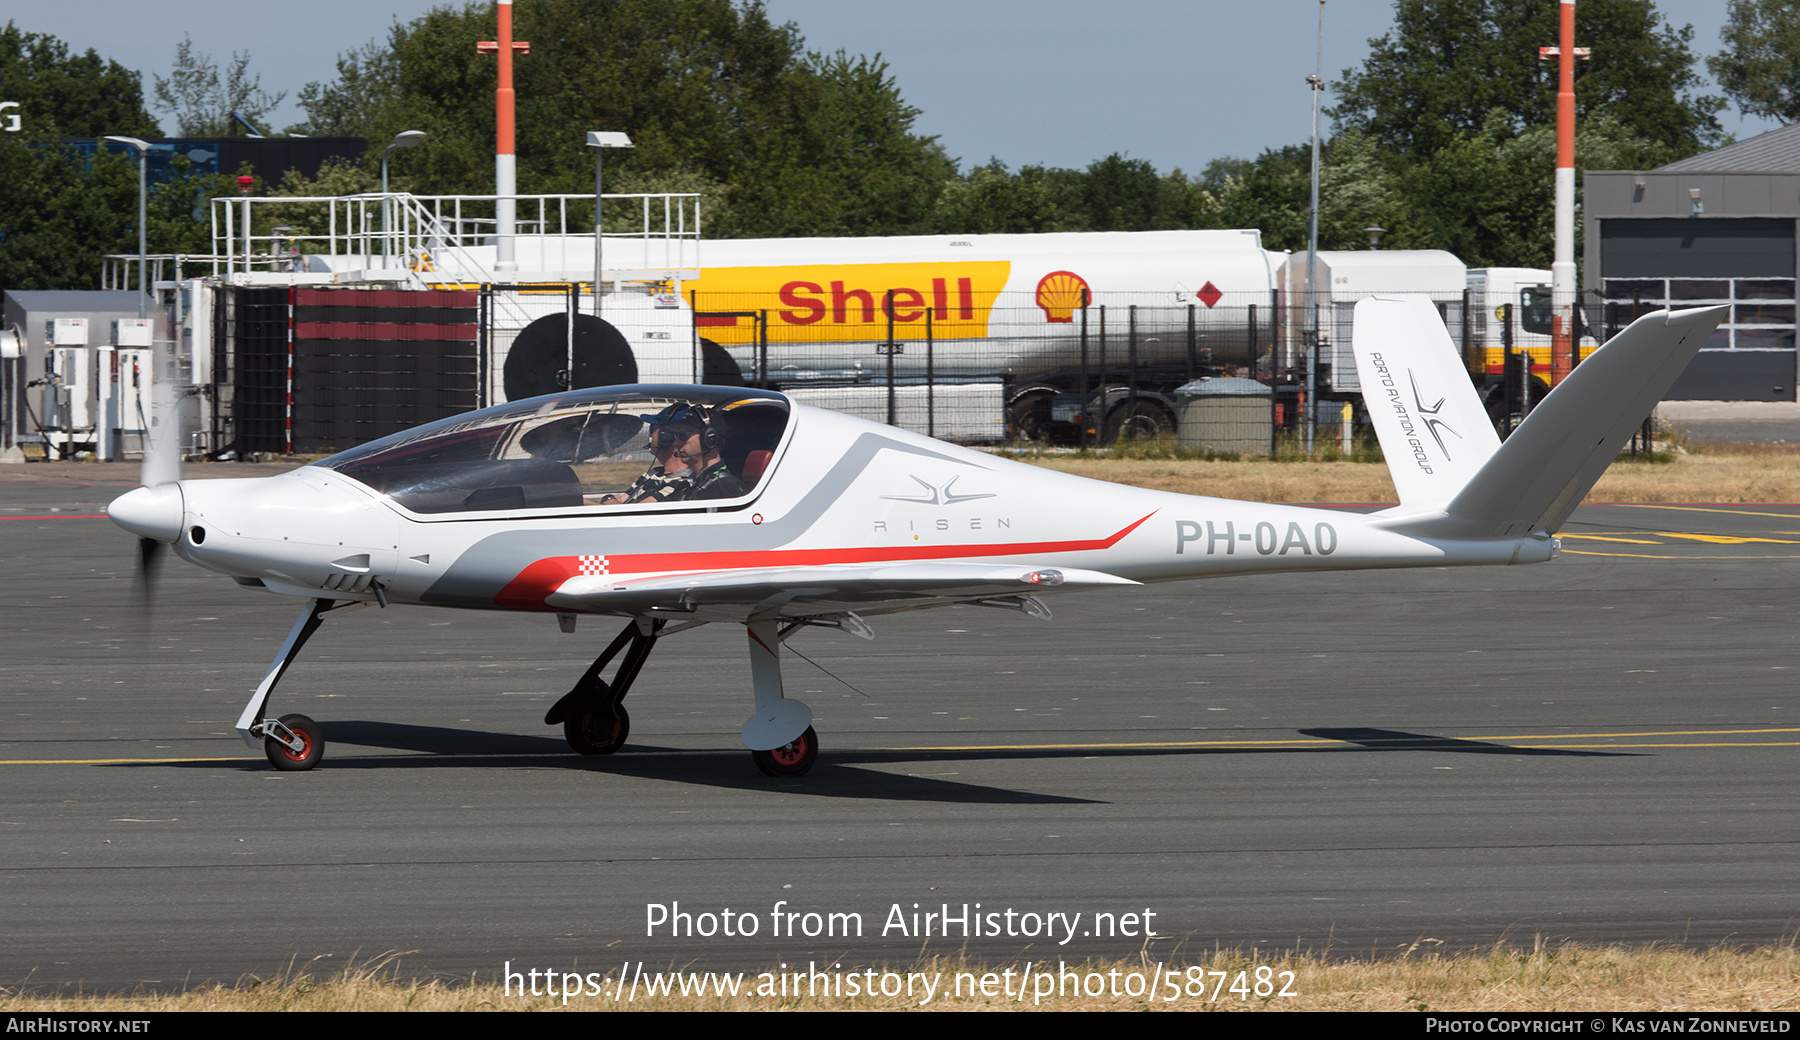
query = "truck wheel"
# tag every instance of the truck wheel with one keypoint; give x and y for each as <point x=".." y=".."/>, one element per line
<point x="1029" y="418"/>
<point x="1138" y="423"/>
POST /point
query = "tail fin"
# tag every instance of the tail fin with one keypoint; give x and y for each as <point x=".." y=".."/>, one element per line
<point x="1433" y="429"/>
<point x="1541" y="473"/>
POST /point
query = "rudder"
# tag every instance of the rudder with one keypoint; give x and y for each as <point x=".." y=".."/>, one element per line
<point x="1433" y="429"/>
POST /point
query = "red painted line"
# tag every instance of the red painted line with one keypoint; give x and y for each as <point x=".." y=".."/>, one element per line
<point x="60" y="516"/>
<point x="536" y="582"/>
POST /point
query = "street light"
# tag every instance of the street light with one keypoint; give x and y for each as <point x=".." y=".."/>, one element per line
<point x="403" y="139"/>
<point x="143" y="153"/>
<point x="600" y="141"/>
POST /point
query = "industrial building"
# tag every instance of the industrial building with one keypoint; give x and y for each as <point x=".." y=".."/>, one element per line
<point x="1715" y="228"/>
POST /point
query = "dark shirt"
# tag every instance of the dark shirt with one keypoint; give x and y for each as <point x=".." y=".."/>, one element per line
<point x="716" y="482"/>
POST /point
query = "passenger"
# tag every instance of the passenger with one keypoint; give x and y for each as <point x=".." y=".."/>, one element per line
<point x="698" y="448"/>
<point x="667" y="479"/>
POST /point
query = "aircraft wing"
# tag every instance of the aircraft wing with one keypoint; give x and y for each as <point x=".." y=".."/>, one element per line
<point x="802" y="591"/>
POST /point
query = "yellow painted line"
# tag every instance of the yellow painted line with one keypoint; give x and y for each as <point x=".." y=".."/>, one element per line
<point x="1272" y="742"/>
<point x="1700" y="509"/>
<point x="1276" y="742"/>
<point x="1615" y="745"/>
<point x="1104" y="747"/>
<point x="1724" y="539"/>
<point x="1603" y="538"/>
<point x="1649" y="733"/>
<point x="256" y="760"/>
<point x="1651" y="556"/>
<point x="112" y="761"/>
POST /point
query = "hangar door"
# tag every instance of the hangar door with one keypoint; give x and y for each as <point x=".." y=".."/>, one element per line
<point x="1746" y="263"/>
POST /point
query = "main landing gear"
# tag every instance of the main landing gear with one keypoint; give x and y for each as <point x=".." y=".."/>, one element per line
<point x="794" y="758"/>
<point x="592" y="715"/>
<point x="780" y="735"/>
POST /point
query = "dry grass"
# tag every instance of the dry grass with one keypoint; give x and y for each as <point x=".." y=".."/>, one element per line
<point x="1700" y="473"/>
<point x="1545" y="977"/>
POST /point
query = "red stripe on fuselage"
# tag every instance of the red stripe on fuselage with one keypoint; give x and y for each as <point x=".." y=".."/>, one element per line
<point x="536" y="582"/>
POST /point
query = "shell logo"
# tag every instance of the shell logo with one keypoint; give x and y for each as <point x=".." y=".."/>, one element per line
<point x="1059" y="293"/>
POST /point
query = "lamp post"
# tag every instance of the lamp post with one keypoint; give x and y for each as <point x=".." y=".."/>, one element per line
<point x="403" y="139"/>
<point x="143" y="151"/>
<point x="1316" y="83"/>
<point x="600" y="141"/>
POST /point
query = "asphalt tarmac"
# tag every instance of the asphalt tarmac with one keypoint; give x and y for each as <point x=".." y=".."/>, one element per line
<point x="1600" y="748"/>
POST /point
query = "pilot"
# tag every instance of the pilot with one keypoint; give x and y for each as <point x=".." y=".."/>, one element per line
<point x="698" y="448"/>
<point x="667" y="479"/>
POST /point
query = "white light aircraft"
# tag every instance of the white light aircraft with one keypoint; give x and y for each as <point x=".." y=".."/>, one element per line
<point x="786" y="516"/>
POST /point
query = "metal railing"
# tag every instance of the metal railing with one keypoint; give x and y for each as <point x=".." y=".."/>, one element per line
<point x="435" y="239"/>
<point x="119" y="271"/>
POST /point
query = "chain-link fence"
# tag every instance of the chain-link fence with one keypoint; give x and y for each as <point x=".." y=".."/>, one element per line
<point x="947" y="362"/>
<point x="1223" y="373"/>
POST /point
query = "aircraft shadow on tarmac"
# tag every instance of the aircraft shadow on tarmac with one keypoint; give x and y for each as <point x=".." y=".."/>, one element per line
<point x="1399" y="740"/>
<point x="436" y="747"/>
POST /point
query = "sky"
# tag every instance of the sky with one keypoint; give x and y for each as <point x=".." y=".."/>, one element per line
<point x="1054" y="82"/>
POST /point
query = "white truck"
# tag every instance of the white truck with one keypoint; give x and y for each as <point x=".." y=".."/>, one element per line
<point x="1069" y="331"/>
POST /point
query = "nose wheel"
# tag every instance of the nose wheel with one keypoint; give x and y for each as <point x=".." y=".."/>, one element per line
<point x="293" y="743"/>
<point x="794" y="758"/>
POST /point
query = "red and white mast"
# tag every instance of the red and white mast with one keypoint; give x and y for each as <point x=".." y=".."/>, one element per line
<point x="506" y="184"/>
<point x="1562" y="271"/>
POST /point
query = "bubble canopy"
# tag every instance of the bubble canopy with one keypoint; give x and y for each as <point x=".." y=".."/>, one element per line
<point x="605" y="449"/>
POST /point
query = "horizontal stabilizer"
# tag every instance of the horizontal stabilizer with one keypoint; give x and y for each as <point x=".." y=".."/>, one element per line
<point x="1433" y="429"/>
<point x="1554" y="458"/>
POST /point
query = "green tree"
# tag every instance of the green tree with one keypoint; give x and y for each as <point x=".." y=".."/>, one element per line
<point x="1490" y="197"/>
<point x="367" y="82"/>
<point x="1272" y="194"/>
<point x="1449" y="65"/>
<point x="1760" y="65"/>
<point x="60" y="209"/>
<point x="1359" y="188"/>
<point x="202" y="98"/>
<point x="848" y="162"/>
<point x="68" y="95"/>
<point x="1112" y="194"/>
<point x="61" y="212"/>
<point x="988" y="200"/>
<point x="710" y="91"/>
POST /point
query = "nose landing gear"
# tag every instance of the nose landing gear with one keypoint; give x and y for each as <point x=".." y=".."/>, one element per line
<point x="293" y="743"/>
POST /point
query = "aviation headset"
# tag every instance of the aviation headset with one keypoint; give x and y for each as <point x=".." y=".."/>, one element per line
<point x="683" y="414"/>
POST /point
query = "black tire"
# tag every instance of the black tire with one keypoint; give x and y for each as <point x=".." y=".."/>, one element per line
<point x="589" y="733"/>
<point x="1138" y="422"/>
<point x="795" y="758"/>
<point x="1029" y="418"/>
<point x="286" y="759"/>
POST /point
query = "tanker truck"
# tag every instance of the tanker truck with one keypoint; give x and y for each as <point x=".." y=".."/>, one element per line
<point x="1068" y="335"/>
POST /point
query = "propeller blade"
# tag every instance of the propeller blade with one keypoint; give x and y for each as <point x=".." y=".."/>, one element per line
<point x="149" y="564"/>
<point x="162" y="448"/>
